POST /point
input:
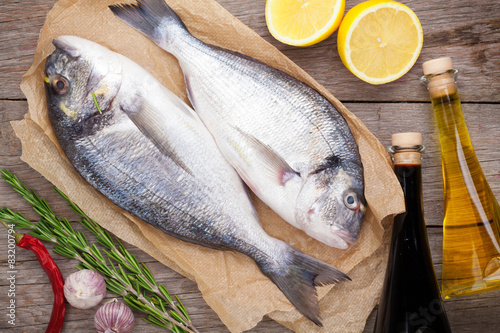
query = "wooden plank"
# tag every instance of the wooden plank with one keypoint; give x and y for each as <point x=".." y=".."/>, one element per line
<point x="10" y="152"/>
<point x="469" y="32"/>
<point x="20" y="24"/>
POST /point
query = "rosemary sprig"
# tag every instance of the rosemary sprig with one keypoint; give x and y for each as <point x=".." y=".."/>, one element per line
<point x="123" y="273"/>
<point x="96" y="103"/>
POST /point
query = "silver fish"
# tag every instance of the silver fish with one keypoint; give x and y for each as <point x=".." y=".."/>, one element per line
<point x="149" y="153"/>
<point x="288" y="142"/>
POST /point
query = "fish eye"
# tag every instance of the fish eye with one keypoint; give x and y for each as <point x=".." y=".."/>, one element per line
<point x="60" y="85"/>
<point x="351" y="200"/>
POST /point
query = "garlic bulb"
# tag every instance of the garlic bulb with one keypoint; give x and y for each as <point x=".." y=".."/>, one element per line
<point x="84" y="289"/>
<point x="114" y="317"/>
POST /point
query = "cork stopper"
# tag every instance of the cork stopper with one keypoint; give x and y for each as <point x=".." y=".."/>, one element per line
<point x="407" y="139"/>
<point x="405" y="151"/>
<point x="436" y="66"/>
<point x="440" y="83"/>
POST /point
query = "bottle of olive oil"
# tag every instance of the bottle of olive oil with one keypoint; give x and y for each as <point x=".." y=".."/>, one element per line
<point x="471" y="247"/>
<point x="410" y="301"/>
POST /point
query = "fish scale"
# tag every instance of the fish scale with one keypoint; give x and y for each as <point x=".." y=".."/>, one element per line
<point x="250" y="93"/>
<point x="289" y="144"/>
<point x="226" y="122"/>
<point x="258" y="92"/>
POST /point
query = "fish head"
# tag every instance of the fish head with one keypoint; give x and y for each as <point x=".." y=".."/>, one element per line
<point x="331" y="206"/>
<point x="81" y="80"/>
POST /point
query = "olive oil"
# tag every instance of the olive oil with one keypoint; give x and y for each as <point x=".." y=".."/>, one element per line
<point x="471" y="247"/>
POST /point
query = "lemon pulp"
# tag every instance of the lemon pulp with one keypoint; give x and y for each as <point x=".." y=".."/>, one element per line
<point x="379" y="41"/>
<point x="303" y="22"/>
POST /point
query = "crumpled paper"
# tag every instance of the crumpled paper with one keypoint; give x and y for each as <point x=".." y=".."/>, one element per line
<point x="230" y="282"/>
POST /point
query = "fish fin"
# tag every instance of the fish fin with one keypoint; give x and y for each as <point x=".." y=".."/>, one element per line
<point x="299" y="279"/>
<point x="148" y="119"/>
<point x="189" y="90"/>
<point x="149" y="17"/>
<point x="274" y="163"/>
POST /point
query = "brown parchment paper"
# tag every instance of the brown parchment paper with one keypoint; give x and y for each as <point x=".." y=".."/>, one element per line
<point x="230" y="282"/>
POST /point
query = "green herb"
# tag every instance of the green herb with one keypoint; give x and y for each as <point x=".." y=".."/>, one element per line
<point x="124" y="275"/>
<point x="96" y="104"/>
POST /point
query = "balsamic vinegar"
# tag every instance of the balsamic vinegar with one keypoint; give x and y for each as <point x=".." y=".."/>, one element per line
<point x="410" y="301"/>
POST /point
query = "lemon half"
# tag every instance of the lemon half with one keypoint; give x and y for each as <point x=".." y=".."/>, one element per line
<point x="380" y="40"/>
<point x="303" y="22"/>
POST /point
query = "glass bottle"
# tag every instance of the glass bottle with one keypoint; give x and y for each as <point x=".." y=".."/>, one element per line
<point x="410" y="301"/>
<point x="471" y="247"/>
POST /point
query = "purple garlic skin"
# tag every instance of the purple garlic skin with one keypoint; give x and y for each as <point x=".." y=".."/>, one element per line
<point x="114" y="317"/>
<point x="84" y="289"/>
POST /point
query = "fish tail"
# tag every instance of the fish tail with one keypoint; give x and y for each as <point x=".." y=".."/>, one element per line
<point x="298" y="275"/>
<point x="153" y="18"/>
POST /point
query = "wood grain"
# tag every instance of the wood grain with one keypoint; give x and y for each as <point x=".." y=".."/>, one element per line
<point x="20" y="24"/>
<point x="469" y="31"/>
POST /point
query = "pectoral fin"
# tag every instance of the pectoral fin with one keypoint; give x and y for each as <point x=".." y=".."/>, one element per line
<point x="274" y="164"/>
<point x="150" y="122"/>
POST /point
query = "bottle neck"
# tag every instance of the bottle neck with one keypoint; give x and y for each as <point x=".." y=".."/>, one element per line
<point x="408" y="169"/>
<point x="442" y="84"/>
<point x="410" y="178"/>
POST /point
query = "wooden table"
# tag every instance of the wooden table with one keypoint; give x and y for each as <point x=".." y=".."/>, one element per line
<point x="468" y="31"/>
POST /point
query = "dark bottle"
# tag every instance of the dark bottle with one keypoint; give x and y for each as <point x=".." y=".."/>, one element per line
<point x="410" y="301"/>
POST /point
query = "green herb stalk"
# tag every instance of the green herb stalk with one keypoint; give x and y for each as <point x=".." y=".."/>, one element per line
<point x="124" y="275"/>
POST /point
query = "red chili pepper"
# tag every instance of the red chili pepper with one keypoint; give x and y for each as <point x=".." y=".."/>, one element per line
<point x="56" y="279"/>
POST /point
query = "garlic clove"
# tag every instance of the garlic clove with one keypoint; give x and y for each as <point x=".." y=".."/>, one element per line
<point x="84" y="289"/>
<point x="114" y="317"/>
